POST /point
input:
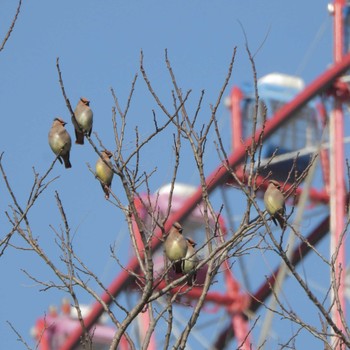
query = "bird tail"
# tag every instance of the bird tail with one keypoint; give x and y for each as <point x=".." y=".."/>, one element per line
<point x="66" y="160"/>
<point x="105" y="190"/>
<point x="79" y="136"/>
<point x="191" y="279"/>
<point x="281" y="220"/>
<point x="274" y="220"/>
<point x="178" y="266"/>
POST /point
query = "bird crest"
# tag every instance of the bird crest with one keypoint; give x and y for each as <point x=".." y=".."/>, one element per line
<point x="85" y="101"/>
<point x="60" y="120"/>
<point x="177" y="226"/>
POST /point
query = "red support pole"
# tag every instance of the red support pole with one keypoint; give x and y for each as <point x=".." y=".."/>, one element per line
<point x="337" y="202"/>
<point x="324" y="154"/>
<point x="145" y="322"/>
<point x="236" y="117"/>
<point x="240" y="323"/>
<point x="144" y="316"/>
<point x="338" y="30"/>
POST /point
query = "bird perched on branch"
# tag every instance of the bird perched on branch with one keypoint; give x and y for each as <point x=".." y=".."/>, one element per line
<point x="60" y="141"/>
<point x="176" y="247"/>
<point x="275" y="203"/>
<point x="104" y="171"/>
<point x="191" y="261"/>
<point x="83" y="120"/>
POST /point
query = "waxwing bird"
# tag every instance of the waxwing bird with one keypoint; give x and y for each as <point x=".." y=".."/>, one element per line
<point x="275" y="202"/>
<point x="191" y="261"/>
<point x="176" y="247"/>
<point x="104" y="171"/>
<point x="60" y="141"/>
<point x="83" y="120"/>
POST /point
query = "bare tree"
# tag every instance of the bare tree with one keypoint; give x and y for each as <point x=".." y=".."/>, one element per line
<point x="158" y="289"/>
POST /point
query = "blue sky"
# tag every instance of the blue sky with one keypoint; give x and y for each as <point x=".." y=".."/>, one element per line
<point x="99" y="45"/>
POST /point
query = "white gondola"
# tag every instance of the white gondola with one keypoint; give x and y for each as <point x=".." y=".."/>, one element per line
<point x="291" y="143"/>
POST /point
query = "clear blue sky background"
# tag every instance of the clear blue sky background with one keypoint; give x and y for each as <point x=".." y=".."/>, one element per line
<point x="99" y="43"/>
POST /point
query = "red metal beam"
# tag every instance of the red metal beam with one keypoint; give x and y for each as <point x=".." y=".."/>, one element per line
<point x="216" y="178"/>
<point x="265" y="290"/>
<point x="195" y="292"/>
<point x="316" y="196"/>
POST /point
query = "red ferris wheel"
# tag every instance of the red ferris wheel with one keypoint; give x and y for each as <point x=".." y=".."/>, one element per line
<point x="298" y="118"/>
